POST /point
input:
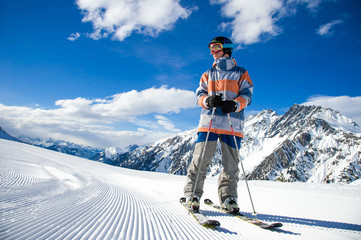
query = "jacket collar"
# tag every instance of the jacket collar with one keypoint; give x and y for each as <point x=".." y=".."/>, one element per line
<point x="224" y="63"/>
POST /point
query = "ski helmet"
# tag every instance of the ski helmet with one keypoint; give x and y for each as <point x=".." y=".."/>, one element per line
<point x="226" y="42"/>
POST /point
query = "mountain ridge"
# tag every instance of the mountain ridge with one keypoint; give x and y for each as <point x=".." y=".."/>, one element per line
<point x="305" y="144"/>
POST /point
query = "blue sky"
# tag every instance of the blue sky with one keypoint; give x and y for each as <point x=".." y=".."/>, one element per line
<point x="113" y="73"/>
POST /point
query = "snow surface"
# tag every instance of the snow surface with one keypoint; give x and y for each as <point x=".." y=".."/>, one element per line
<point x="50" y="195"/>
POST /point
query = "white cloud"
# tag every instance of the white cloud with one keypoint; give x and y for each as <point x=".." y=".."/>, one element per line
<point x="311" y="4"/>
<point x="154" y="100"/>
<point x="347" y="106"/>
<point x="74" y="36"/>
<point x="326" y="29"/>
<point x="166" y="123"/>
<point x="251" y="18"/>
<point x="256" y="20"/>
<point x="93" y="121"/>
<point x="120" y="18"/>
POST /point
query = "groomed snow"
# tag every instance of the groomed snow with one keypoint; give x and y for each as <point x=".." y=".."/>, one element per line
<point x="50" y="195"/>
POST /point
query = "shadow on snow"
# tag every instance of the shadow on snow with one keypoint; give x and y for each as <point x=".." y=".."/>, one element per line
<point x="295" y="220"/>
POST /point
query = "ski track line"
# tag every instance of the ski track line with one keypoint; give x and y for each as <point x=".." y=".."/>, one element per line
<point x="146" y="218"/>
<point x="108" y="216"/>
<point x="45" y="198"/>
<point x="93" y="210"/>
<point x="25" y="200"/>
<point x="102" y="217"/>
<point x="77" y="218"/>
<point x="88" y="212"/>
<point x="9" y="178"/>
<point x="44" y="222"/>
<point x="62" y="215"/>
<point x="16" y="172"/>
<point x="49" y="222"/>
<point x="90" y="221"/>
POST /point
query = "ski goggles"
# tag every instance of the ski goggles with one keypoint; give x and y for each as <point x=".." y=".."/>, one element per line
<point x="217" y="47"/>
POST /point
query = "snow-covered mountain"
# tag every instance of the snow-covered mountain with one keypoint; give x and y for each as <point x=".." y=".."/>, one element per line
<point x="168" y="155"/>
<point x="56" y="145"/>
<point x="307" y="143"/>
<point x="63" y="146"/>
<point x="5" y="135"/>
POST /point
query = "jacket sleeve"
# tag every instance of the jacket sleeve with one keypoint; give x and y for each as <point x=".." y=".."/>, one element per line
<point x="202" y="91"/>
<point x="245" y="91"/>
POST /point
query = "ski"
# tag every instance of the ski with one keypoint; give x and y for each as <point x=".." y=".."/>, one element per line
<point x="253" y="221"/>
<point x="201" y="219"/>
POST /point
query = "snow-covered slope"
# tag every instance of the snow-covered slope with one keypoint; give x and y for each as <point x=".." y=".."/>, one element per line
<point x="50" y="195"/>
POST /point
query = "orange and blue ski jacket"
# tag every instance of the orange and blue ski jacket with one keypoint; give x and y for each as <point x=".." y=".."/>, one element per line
<point x="233" y="83"/>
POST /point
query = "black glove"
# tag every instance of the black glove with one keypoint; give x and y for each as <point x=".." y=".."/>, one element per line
<point x="228" y="106"/>
<point x="214" y="101"/>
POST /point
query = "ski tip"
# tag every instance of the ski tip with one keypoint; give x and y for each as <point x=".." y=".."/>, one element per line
<point x="211" y="223"/>
<point x="271" y="225"/>
<point x="182" y="200"/>
<point x="218" y="224"/>
<point x="208" y="201"/>
<point x="276" y="225"/>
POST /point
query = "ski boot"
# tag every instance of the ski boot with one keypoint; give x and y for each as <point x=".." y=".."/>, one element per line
<point x="231" y="206"/>
<point x="193" y="203"/>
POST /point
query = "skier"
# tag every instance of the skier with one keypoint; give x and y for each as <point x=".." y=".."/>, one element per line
<point x="224" y="89"/>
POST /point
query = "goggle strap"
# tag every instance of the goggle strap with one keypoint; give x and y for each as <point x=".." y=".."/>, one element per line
<point x="227" y="45"/>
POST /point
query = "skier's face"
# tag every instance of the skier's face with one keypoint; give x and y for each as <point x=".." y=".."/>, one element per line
<point x="217" y="55"/>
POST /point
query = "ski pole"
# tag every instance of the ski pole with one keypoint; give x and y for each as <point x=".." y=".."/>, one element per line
<point x="202" y="154"/>
<point x="244" y="174"/>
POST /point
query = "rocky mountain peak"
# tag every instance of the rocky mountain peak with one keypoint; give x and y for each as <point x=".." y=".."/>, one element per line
<point x="307" y="143"/>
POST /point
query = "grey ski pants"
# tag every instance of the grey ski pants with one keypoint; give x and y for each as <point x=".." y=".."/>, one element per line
<point x="228" y="178"/>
